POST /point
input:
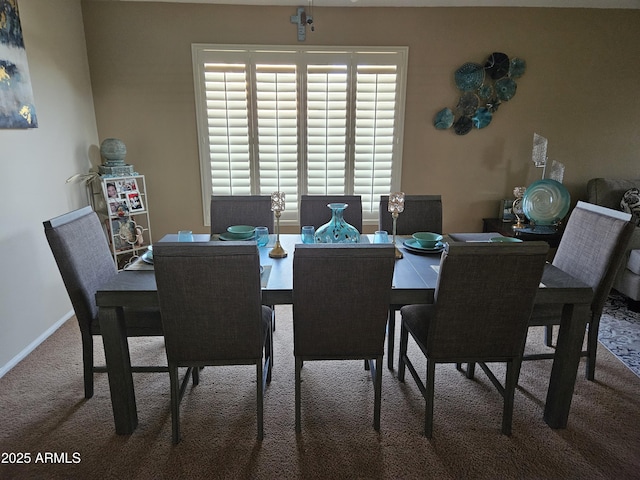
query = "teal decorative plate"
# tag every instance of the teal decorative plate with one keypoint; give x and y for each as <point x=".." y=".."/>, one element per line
<point x="469" y="77"/>
<point x="546" y="202"/>
<point x="485" y="92"/>
<point x="235" y="237"/>
<point x="482" y="117"/>
<point x="506" y="89"/>
<point x="517" y="67"/>
<point x="147" y="256"/>
<point x="468" y="104"/>
<point x="462" y="125"/>
<point x="497" y="65"/>
<point x="444" y="119"/>
<point x="413" y="246"/>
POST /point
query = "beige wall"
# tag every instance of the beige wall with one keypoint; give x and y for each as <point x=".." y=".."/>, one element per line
<point x="34" y="165"/>
<point x="580" y="90"/>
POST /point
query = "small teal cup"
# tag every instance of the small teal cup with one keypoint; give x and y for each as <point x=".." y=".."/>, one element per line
<point x="185" y="236"/>
<point x="262" y="236"/>
<point x="381" y="236"/>
<point x="307" y="234"/>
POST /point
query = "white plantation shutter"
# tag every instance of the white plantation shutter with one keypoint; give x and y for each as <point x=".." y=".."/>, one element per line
<point x="312" y="120"/>
<point x="228" y="128"/>
<point x="374" y="133"/>
<point x="277" y="115"/>
<point x="327" y="108"/>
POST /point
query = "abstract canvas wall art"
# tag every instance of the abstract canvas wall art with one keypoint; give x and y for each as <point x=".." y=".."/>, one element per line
<point x="16" y="97"/>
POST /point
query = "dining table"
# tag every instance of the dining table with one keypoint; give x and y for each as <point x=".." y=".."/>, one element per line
<point x="414" y="282"/>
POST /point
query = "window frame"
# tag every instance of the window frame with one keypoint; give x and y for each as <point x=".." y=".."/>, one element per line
<point x="202" y="53"/>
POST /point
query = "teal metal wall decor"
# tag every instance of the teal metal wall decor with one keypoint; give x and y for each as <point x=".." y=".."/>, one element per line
<point x="484" y="88"/>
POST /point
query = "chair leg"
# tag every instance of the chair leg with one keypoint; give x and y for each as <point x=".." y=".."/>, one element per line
<point x="377" y="394"/>
<point x="271" y="358"/>
<point x="87" y="363"/>
<point x="471" y="370"/>
<point x="195" y="376"/>
<point x="297" y="390"/>
<point x="259" y="399"/>
<point x="391" y="330"/>
<point x="592" y="348"/>
<point x="548" y="335"/>
<point x="509" y="392"/>
<point x="273" y="317"/>
<point x="428" y="396"/>
<point x="269" y="354"/>
<point x="174" y="382"/>
<point x="404" y="341"/>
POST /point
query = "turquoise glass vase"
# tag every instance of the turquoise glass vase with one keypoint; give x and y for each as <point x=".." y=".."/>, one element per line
<point x="337" y="230"/>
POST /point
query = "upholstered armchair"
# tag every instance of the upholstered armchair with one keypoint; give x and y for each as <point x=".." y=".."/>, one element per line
<point x="609" y="192"/>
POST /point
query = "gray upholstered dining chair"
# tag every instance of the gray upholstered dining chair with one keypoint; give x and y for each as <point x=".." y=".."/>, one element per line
<point x="314" y="210"/>
<point x="207" y="321"/>
<point x="228" y="210"/>
<point x="477" y="316"/>
<point x="422" y="213"/>
<point x="254" y="210"/>
<point x="591" y="249"/>
<point x="79" y="246"/>
<point x="341" y="295"/>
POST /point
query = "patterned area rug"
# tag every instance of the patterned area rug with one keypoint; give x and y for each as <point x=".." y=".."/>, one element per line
<point x="620" y="332"/>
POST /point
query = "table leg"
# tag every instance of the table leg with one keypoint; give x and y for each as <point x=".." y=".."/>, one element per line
<point x="565" y="365"/>
<point x="116" y="351"/>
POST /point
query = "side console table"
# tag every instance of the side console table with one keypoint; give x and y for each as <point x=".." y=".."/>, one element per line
<point x="506" y="229"/>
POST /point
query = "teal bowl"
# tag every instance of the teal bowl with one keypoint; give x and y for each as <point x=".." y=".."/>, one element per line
<point x="427" y="239"/>
<point x="241" y="231"/>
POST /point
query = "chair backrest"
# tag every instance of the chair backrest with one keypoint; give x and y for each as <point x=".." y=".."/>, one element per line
<point x="228" y="210"/>
<point x="210" y="300"/>
<point x="422" y="213"/>
<point x="484" y="299"/>
<point x="81" y="250"/>
<point x="341" y="295"/>
<point x="593" y="246"/>
<point x="314" y="210"/>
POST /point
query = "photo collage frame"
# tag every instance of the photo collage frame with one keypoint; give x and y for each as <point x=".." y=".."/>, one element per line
<point x="123" y="199"/>
<point x="122" y="196"/>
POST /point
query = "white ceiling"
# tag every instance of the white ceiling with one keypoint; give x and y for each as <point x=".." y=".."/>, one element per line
<point x="628" y="4"/>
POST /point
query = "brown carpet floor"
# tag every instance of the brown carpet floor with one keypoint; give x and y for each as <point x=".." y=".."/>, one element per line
<point x="43" y="413"/>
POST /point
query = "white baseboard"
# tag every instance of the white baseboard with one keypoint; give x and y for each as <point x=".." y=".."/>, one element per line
<point x="33" y="345"/>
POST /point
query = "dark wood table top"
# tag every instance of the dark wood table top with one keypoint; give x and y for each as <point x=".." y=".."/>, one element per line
<point x="414" y="280"/>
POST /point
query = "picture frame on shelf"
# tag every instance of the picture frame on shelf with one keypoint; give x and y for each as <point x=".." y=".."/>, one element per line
<point x="505" y="213"/>
<point x="118" y="208"/>
<point x="129" y="185"/>
<point x="135" y="201"/>
<point x="123" y="201"/>
<point x="123" y="196"/>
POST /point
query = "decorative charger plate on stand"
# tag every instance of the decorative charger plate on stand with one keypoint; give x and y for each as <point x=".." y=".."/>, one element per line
<point x="546" y="202"/>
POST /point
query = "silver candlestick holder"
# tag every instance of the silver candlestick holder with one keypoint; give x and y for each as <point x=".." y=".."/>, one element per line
<point x="277" y="207"/>
<point x="396" y="207"/>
